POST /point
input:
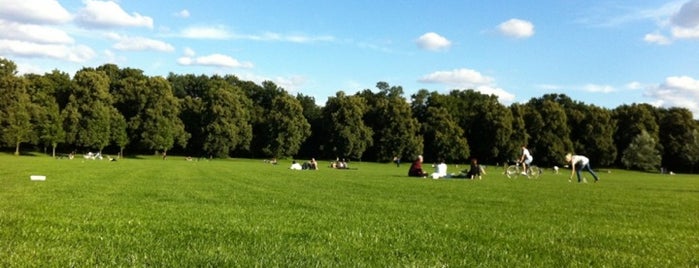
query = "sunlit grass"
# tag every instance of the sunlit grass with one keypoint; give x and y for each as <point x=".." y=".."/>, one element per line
<point x="241" y="212"/>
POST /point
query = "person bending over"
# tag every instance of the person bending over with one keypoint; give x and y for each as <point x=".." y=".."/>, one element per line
<point x="578" y="163"/>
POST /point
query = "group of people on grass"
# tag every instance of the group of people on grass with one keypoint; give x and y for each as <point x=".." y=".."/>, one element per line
<point x="309" y="165"/>
<point x="576" y="162"/>
<point x="474" y="172"/>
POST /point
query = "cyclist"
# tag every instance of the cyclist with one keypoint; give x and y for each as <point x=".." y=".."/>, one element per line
<point x="526" y="159"/>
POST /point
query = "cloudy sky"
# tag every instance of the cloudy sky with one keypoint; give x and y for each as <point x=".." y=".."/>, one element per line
<point x="604" y="52"/>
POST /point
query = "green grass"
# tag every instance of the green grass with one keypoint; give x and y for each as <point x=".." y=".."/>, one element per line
<point x="242" y="212"/>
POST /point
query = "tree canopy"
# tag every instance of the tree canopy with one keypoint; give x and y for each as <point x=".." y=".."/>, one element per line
<point x="124" y="111"/>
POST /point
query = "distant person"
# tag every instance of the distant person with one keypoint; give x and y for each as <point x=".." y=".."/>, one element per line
<point x="396" y="160"/>
<point x="313" y="164"/>
<point x="416" y="168"/>
<point x="526" y="159"/>
<point x="476" y="171"/>
<point x="578" y="163"/>
<point x="295" y="166"/>
<point x="440" y="170"/>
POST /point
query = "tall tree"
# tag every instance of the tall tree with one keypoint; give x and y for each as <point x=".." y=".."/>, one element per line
<point x="287" y="128"/>
<point x="396" y="131"/>
<point x="312" y="146"/>
<point x="487" y="124"/>
<point x="191" y="90"/>
<point x="547" y="125"/>
<point x="676" y="128"/>
<point x="443" y="136"/>
<point x="15" y="107"/>
<point x="631" y="121"/>
<point x="46" y="116"/>
<point x="642" y="153"/>
<point x="161" y="125"/>
<point x="519" y="135"/>
<point x="87" y="116"/>
<point x="346" y="133"/>
<point x="226" y="119"/>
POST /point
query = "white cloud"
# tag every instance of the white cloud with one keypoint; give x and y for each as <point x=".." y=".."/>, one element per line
<point x="458" y="77"/>
<point x="291" y="83"/>
<point x="598" y="88"/>
<point x="656" y="39"/>
<point x="182" y="14"/>
<point x="469" y="79"/>
<point x="688" y="15"/>
<point x="203" y="32"/>
<point x="433" y="42"/>
<point x="78" y="53"/>
<point x="517" y="28"/>
<point x="188" y="52"/>
<point x="105" y="14"/>
<point x="33" y="33"/>
<point x="214" y="60"/>
<point x="677" y="91"/>
<point x="634" y="85"/>
<point x="682" y="21"/>
<point x="137" y="43"/>
<point x="685" y="33"/>
<point x="686" y="21"/>
<point x="34" y="11"/>
<point x="222" y="33"/>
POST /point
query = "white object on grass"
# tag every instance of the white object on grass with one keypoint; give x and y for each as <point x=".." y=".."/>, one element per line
<point x="37" y="177"/>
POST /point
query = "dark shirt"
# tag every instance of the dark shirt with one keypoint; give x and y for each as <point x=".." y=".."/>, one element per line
<point x="416" y="169"/>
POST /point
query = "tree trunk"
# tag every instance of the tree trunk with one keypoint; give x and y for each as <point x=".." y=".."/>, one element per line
<point x="53" y="150"/>
<point x="17" y="148"/>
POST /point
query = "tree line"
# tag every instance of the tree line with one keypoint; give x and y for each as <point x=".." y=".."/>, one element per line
<point x="123" y="111"/>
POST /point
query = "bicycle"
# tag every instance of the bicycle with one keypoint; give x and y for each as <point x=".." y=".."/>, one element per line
<point x="514" y="171"/>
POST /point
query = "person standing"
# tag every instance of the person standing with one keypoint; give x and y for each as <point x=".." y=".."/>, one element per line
<point x="578" y="163"/>
<point x="416" y="168"/>
<point x="526" y="159"/>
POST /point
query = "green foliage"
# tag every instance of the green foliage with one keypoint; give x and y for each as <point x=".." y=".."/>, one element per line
<point x="443" y="137"/>
<point x="396" y="131"/>
<point x="287" y="128"/>
<point x="15" y="110"/>
<point x="87" y="115"/>
<point x="676" y="129"/>
<point x="161" y="125"/>
<point x="46" y="116"/>
<point x="642" y="154"/>
<point x="547" y="125"/>
<point x="631" y="121"/>
<point x="346" y="133"/>
<point x="245" y="213"/>
<point x="226" y="119"/>
<point x="110" y="107"/>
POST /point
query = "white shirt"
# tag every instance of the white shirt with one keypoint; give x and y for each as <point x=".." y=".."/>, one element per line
<point x="440" y="171"/>
<point x="579" y="159"/>
<point x="296" y="166"/>
<point x="526" y="154"/>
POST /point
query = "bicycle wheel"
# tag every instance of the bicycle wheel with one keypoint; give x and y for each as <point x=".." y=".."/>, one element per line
<point x="533" y="172"/>
<point x="512" y="172"/>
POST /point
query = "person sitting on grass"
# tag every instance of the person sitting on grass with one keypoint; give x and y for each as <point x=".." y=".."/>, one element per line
<point x="295" y="166"/>
<point x="476" y="170"/>
<point x="440" y="170"/>
<point x="416" y="168"/>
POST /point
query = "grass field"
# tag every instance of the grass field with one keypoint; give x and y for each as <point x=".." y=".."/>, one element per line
<point x="245" y="213"/>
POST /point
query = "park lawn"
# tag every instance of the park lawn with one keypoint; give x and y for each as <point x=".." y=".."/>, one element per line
<point x="147" y="211"/>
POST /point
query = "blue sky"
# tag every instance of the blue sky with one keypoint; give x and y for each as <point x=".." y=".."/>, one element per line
<point x="605" y="53"/>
